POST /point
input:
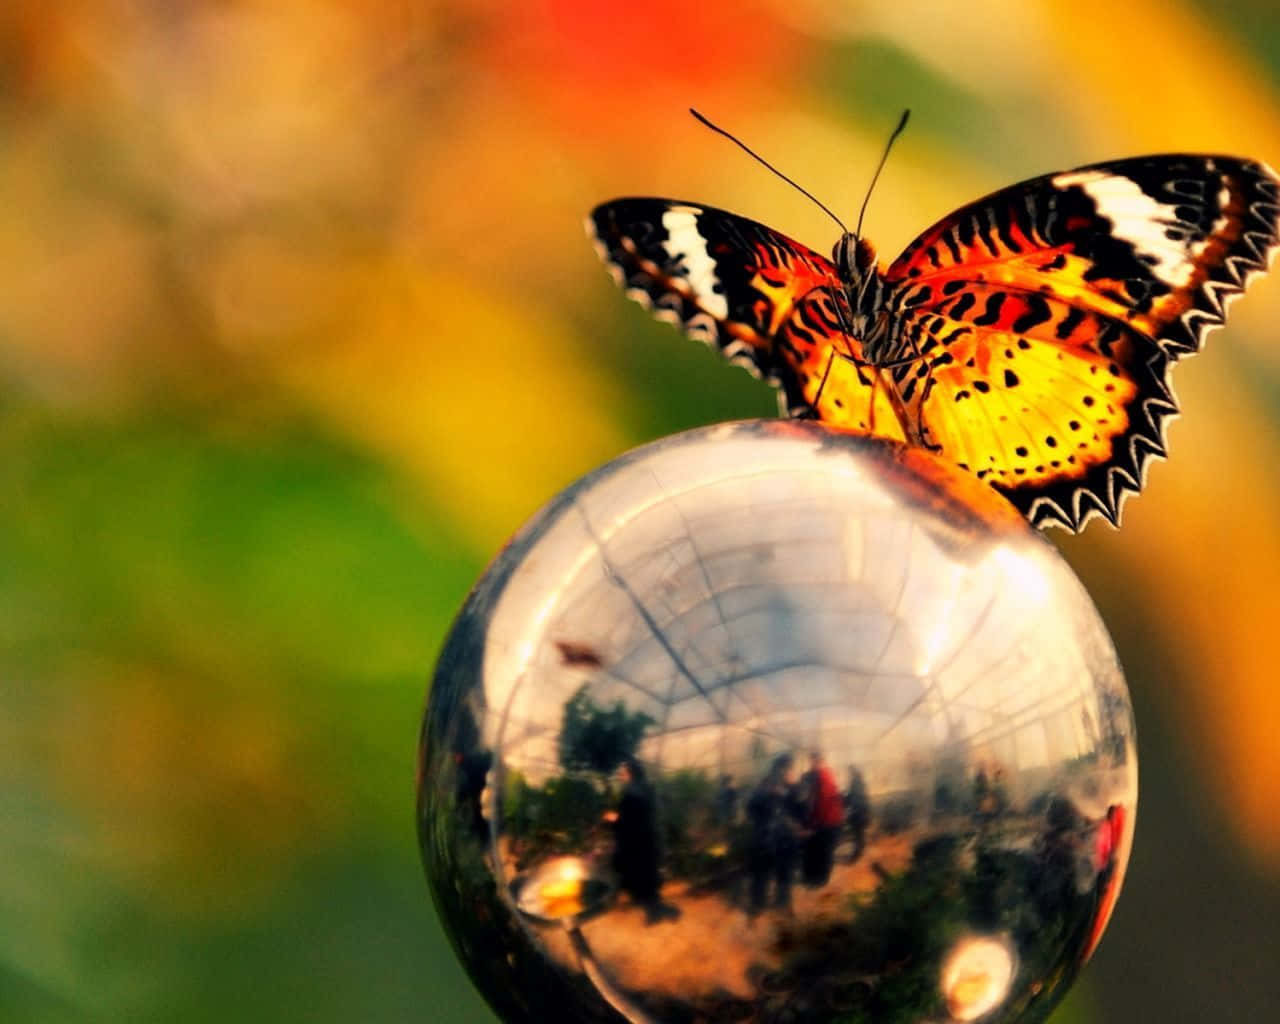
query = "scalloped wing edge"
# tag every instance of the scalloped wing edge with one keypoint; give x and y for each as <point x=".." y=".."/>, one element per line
<point x="1103" y="492"/>
<point x="1226" y="282"/>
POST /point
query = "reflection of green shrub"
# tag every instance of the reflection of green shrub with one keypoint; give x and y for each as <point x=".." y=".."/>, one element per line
<point x="892" y="949"/>
<point x="557" y="817"/>
<point x="685" y="798"/>
<point x="890" y="952"/>
<point x="684" y="806"/>
<point x="572" y="805"/>
<point x="519" y="805"/>
<point x="915" y="915"/>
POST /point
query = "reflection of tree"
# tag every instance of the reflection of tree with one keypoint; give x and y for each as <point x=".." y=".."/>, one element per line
<point x="561" y="816"/>
<point x="596" y="739"/>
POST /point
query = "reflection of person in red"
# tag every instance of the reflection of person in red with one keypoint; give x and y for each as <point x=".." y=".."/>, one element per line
<point x="1108" y="843"/>
<point x="824" y="816"/>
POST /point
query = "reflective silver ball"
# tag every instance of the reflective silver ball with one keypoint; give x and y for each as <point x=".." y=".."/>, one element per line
<point x="765" y="723"/>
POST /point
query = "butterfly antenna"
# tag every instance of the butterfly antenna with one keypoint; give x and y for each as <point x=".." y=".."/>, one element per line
<point x="902" y="123"/>
<point x="756" y="156"/>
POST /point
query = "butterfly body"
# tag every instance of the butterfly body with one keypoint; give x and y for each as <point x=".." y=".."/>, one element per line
<point x="1028" y="336"/>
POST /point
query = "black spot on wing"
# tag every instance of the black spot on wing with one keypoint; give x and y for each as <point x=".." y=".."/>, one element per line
<point x="1037" y="312"/>
<point x="1069" y="323"/>
<point x="992" y="311"/>
<point x="961" y="306"/>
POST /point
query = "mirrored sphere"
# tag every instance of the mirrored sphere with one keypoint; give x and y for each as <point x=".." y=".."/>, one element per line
<point x="764" y="723"/>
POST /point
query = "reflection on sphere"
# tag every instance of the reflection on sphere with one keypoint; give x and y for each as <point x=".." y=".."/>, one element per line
<point x="764" y="723"/>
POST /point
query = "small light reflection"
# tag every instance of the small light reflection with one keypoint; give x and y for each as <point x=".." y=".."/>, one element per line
<point x="976" y="976"/>
<point x="1027" y="574"/>
<point x="556" y="890"/>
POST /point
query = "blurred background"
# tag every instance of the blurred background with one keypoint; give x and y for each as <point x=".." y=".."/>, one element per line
<point x="298" y="322"/>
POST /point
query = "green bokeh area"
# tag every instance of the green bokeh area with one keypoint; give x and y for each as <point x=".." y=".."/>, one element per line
<point x="234" y="579"/>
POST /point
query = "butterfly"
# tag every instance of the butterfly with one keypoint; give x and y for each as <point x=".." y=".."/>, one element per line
<point x="1027" y="337"/>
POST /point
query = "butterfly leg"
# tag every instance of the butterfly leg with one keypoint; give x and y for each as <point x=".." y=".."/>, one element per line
<point x="906" y="420"/>
<point x="906" y="399"/>
<point x="920" y="430"/>
<point x="908" y="403"/>
<point x="810" y="412"/>
<point x="846" y="332"/>
<point x="920" y="395"/>
<point x="835" y="352"/>
<point x="913" y="398"/>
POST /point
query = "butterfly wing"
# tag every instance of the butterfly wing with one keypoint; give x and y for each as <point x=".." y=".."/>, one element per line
<point x="1048" y="314"/>
<point x="765" y="301"/>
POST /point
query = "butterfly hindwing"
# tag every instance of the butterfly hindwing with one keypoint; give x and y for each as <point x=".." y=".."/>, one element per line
<point x="1048" y="314"/>
<point x="1062" y="427"/>
<point x="765" y="301"/>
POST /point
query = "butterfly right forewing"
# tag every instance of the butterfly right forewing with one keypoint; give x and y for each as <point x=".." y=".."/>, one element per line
<point x="1049" y="315"/>
<point x="765" y="301"/>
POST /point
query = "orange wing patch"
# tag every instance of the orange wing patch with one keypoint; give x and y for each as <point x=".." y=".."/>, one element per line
<point x="840" y="389"/>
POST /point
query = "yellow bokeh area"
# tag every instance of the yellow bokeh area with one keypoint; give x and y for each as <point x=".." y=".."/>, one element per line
<point x="298" y="323"/>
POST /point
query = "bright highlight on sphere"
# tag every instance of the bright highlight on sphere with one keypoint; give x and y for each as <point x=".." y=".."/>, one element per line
<point x="976" y="976"/>
<point x="762" y="722"/>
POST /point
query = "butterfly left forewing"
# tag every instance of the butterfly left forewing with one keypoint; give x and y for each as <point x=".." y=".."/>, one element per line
<point x="765" y="301"/>
<point x="1047" y="316"/>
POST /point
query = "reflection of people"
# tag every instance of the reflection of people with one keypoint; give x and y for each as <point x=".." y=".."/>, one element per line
<point x="473" y="774"/>
<point x="989" y="797"/>
<point x="726" y="805"/>
<point x="1066" y="884"/>
<point x="858" y="812"/>
<point x="635" y="853"/>
<point x="1057" y="850"/>
<point x="824" y="814"/>
<point x="773" y="811"/>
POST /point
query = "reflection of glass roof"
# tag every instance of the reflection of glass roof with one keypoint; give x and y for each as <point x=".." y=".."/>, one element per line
<point x="792" y="607"/>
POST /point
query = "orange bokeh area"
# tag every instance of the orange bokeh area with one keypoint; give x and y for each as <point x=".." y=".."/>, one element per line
<point x="298" y="324"/>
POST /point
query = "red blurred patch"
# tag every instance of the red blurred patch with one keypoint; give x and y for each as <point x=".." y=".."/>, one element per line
<point x="579" y="655"/>
<point x="585" y="62"/>
<point x="1108" y="848"/>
